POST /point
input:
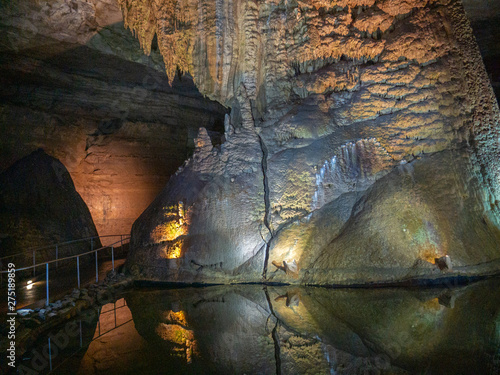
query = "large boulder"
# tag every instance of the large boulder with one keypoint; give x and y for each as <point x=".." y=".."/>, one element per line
<point x="39" y="206"/>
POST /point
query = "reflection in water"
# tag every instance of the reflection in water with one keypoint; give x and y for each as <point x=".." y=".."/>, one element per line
<point x="291" y="330"/>
<point x="174" y="332"/>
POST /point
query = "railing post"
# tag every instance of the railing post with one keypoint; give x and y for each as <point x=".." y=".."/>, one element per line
<point x="47" y="282"/>
<point x="96" y="268"/>
<point x="113" y="257"/>
<point x="50" y="357"/>
<point x="78" y="270"/>
<point x="99" y="320"/>
<point x="81" y="341"/>
<point x="34" y="262"/>
<point x="57" y="255"/>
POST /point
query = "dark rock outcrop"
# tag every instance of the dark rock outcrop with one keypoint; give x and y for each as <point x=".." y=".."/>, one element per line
<point x="39" y="206"/>
<point x="363" y="141"/>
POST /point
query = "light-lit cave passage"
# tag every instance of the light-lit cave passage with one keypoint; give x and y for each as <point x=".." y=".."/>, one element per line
<point x="308" y="147"/>
<point x="81" y="89"/>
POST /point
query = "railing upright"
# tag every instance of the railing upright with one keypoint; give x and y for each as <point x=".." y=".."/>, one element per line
<point x="47" y="282"/>
<point x="96" y="268"/>
<point x="78" y="270"/>
<point x="112" y="258"/>
<point x="50" y="357"/>
<point x="81" y="340"/>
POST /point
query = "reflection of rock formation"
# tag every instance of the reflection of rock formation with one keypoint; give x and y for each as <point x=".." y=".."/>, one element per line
<point x="343" y="116"/>
<point x="315" y="330"/>
<point x="212" y="330"/>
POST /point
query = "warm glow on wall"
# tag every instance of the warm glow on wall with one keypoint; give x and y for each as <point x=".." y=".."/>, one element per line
<point x="168" y="231"/>
<point x="174" y="226"/>
<point x="172" y="250"/>
<point x="429" y="254"/>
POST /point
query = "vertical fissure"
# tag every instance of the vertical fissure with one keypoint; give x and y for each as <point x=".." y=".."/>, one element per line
<point x="275" y="335"/>
<point x="267" y="204"/>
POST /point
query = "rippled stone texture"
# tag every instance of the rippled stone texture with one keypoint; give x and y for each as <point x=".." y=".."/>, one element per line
<point x="485" y="21"/>
<point x="362" y="144"/>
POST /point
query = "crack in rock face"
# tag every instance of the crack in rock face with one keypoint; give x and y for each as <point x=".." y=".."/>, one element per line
<point x="381" y="132"/>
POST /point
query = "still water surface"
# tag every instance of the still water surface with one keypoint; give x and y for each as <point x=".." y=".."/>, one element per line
<point x="286" y="330"/>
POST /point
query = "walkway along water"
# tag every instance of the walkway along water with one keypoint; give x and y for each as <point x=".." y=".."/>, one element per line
<point x="58" y="276"/>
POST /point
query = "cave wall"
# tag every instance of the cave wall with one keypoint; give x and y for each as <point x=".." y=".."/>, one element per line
<point x="338" y="103"/>
<point x="74" y="82"/>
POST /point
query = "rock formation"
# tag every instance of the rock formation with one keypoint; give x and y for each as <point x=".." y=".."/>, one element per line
<point x="485" y="21"/>
<point x="75" y="82"/>
<point x="362" y="144"/>
<point x="39" y="206"/>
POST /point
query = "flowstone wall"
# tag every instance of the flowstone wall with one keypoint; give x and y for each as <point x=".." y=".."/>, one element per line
<point x="362" y="144"/>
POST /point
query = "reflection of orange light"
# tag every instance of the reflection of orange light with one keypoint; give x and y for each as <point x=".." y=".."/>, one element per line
<point x="174" y="333"/>
<point x="181" y="337"/>
<point x="432" y="304"/>
<point x="176" y="317"/>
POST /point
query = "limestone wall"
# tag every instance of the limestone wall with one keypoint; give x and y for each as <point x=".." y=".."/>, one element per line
<point x="334" y="98"/>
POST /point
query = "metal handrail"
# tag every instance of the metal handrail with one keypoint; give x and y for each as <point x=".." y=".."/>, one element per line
<point x="70" y="257"/>
<point x="31" y="249"/>
<point x="77" y="256"/>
